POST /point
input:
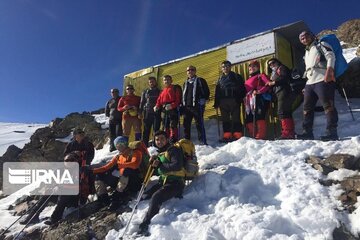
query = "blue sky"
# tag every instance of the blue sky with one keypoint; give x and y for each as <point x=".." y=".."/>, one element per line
<point x="63" y="56"/>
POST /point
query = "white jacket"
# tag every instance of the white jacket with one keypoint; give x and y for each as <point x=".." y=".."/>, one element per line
<point x="315" y="70"/>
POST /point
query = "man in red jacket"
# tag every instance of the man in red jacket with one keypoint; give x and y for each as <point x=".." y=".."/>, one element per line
<point x="169" y="101"/>
<point x="129" y="106"/>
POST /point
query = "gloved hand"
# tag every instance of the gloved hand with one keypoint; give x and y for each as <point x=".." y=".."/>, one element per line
<point x="168" y="107"/>
<point x="156" y="109"/>
<point x="202" y="101"/>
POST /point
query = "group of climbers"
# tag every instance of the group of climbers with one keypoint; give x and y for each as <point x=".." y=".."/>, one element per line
<point x="158" y="107"/>
<point x="122" y="172"/>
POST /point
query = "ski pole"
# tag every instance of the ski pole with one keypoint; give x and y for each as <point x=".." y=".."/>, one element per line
<point x="254" y="117"/>
<point x="179" y="126"/>
<point x="40" y="209"/>
<point x="348" y="104"/>
<point x="148" y="175"/>
<point x="31" y="208"/>
<point x="218" y="122"/>
<point x="271" y="117"/>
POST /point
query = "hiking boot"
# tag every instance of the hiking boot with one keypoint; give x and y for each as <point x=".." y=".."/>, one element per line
<point x="28" y="220"/>
<point x="117" y="200"/>
<point x="103" y="200"/>
<point x="237" y="135"/>
<point x="50" y="221"/>
<point x="143" y="229"/>
<point x="305" y="136"/>
<point x="114" y="205"/>
<point x="330" y="135"/>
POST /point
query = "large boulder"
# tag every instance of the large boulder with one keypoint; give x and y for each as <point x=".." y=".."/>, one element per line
<point x="350" y="80"/>
<point x="11" y="155"/>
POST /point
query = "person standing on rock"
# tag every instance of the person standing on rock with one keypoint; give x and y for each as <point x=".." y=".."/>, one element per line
<point x="151" y="119"/>
<point x="115" y="117"/>
<point x="129" y="106"/>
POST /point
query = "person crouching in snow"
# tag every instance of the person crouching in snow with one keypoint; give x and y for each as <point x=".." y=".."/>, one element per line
<point x="168" y="164"/>
<point x="121" y="173"/>
<point x="256" y="101"/>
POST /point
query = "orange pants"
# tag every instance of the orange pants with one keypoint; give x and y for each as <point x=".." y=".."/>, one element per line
<point x="129" y="122"/>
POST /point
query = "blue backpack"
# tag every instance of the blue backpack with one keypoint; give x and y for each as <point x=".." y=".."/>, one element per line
<point x="340" y="62"/>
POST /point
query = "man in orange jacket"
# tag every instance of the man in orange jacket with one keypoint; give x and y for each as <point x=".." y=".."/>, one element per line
<point x="129" y="106"/>
<point x="121" y="173"/>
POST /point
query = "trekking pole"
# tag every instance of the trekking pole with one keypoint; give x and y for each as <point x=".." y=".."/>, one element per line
<point x="218" y="122"/>
<point x="271" y="117"/>
<point x="31" y="208"/>
<point x="148" y="175"/>
<point x="40" y="209"/>
<point x="179" y="125"/>
<point x="201" y="118"/>
<point x="254" y="117"/>
<point x="243" y="116"/>
<point x="348" y="104"/>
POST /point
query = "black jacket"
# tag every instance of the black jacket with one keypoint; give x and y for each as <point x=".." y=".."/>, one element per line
<point x="282" y="79"/>
<point x="85" y="146"/>
<point x="111" y="110"/>
<point x="148" y="100"/>
<point x="230" y="86"/>
<point x="200" y="91"/>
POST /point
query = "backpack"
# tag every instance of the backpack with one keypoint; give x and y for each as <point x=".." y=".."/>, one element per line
<point x="340" y="62"/>
<point x="191" y="166"/>
<point x="177" y="88"/>
<point x="86" y="185"/>
<point x="144" y="165"/>
<point x="86" y="181"/>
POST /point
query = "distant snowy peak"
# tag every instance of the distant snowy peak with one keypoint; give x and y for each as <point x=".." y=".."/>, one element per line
<point x="17" y="134"/>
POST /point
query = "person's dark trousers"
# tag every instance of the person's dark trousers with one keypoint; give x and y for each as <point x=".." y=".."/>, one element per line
<point x="325" y="93"/>
<point x="115" y="130"/>
<point x="170" y="123"/>
<point x="189" y="114"/>
<point x="134" y="183"/>
<point x="161" y="194"/>
<point x="63" y="202"/>
<point x="230" y="115"/>
<point x="151" y="120"/>
<point x="285" y="100"/>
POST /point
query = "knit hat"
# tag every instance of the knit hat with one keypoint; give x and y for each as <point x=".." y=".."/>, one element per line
<point x="255" y="63"/>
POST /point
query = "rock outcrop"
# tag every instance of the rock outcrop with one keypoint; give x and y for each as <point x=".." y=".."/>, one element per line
<point x="47" y="144"/>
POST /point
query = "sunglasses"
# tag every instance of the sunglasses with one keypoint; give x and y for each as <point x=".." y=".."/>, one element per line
<point x="129" y="89"/>
<point x="226" y="66"/>
<point x="190" y="69"/>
